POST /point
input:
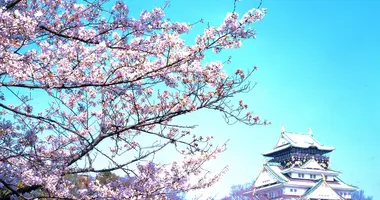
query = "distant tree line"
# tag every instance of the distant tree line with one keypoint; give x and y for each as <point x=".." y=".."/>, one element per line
<point x="359" y="195"/>
<point x="240" y="192"/>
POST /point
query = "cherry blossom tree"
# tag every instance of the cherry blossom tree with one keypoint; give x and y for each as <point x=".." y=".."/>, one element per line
<point x="241" y="192"/>
<point x="83" y="81"/>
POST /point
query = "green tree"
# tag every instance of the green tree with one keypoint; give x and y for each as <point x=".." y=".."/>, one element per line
<point x="240" y="192"/>
<point x="106" y="177"/>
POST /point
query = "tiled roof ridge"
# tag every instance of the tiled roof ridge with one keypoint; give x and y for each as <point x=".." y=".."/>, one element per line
<point x="306" y="134"/>
<point x="311" y="190"/>
<point x="340" y="180"/>
<point x="312" y="159"/>
<point x="272" y="172"/>
<point x="320" y="182"/>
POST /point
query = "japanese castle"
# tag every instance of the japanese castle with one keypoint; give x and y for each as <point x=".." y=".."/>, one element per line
<point x="298" y="167"/>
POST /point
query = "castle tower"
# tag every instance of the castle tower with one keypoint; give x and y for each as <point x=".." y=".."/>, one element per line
<point x="298" y="167"/>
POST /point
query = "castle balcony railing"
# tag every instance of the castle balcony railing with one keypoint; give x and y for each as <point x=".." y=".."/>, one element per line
<point x="300" y="157"/>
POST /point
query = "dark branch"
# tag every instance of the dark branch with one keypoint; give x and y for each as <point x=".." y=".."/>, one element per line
<point x="12" y="4"/>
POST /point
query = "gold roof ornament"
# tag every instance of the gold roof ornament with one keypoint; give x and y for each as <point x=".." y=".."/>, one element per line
<point x="283" y="129"/>
<point x="323" y="178"/>
<point x="310" y="132"/>
<point x="265" y="161"/>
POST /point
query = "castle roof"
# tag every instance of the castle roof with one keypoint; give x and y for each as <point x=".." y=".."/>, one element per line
<point x="312" y="167"/>
<point x="298" y="140"/>
<point x="273" y="175"/>
<point x="321" y="190"/>
<point x="312" y="164"/>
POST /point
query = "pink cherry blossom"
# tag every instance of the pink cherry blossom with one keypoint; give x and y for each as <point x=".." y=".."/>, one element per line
<point x="88" y="83"/>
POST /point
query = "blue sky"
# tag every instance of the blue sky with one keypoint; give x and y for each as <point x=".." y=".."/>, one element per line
<point x="318" y="65"/>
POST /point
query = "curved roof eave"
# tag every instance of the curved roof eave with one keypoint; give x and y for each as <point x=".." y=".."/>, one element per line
<point x="324" y="148"/>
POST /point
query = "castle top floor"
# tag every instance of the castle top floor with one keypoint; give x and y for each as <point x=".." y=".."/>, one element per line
<point x="298" y="143"/>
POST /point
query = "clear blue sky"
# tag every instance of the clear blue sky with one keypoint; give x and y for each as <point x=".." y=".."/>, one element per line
<point x="319" y="67"/>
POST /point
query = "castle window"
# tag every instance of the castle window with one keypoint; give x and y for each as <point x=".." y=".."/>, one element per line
<point x="291" y="190"/>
